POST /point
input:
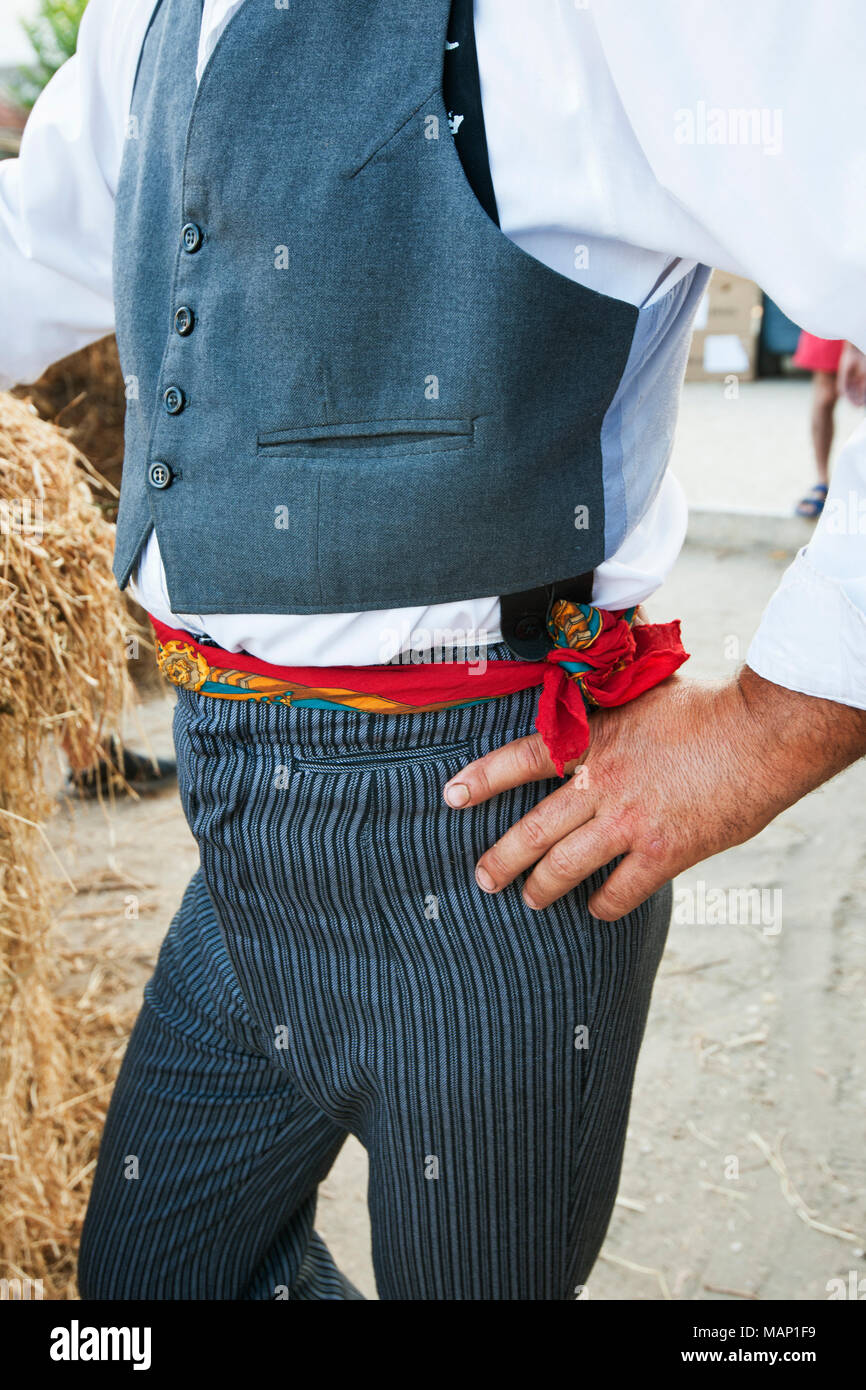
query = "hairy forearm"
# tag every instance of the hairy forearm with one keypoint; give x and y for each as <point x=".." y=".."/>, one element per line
<point x="799" y="740"/>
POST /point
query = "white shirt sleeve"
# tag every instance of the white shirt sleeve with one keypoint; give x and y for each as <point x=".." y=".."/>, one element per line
<point x="57" y="197"/>
<point x="812" y="636"/>
<point x="752" y="116"/>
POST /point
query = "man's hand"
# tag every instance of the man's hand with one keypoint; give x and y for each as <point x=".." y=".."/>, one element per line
<point x="680" y="773"/>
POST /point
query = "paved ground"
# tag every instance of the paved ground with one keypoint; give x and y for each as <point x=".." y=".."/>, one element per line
<point x="751" y="451"/>
<point x="744" y="1170"/>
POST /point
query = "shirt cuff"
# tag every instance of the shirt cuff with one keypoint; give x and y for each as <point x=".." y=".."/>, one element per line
<point x="812" y="638"/>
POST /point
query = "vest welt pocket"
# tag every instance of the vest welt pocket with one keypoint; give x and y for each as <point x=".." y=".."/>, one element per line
<point x="371" y="437"/>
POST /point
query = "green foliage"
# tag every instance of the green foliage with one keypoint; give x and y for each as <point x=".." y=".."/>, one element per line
<point x="53" y="35"/>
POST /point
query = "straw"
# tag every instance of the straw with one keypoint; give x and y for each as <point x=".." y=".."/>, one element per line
<point x="63" y="676"/>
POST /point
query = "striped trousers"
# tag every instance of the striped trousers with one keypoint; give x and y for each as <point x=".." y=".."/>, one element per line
<point x="333" y="969"/>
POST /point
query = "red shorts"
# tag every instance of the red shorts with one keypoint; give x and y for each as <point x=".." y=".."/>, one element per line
<point x="818" y="354"/>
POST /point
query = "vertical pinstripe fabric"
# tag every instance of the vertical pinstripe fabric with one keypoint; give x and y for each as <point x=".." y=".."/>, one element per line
<point x="334" y="969"/>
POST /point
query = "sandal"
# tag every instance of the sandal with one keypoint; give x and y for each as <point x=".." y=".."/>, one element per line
<point x="812" y="505"/>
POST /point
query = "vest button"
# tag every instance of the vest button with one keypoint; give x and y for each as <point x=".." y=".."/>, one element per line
<point x="183" y="320"/>
<point x="173" y="400"/>
<point x="159" y="475"/>
<point x="191" y="236"/>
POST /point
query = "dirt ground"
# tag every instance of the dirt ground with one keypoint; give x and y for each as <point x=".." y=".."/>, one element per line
<point x="744" y="1169"/>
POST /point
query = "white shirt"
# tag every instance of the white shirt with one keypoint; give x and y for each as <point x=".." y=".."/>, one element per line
<point x="623" y="128"/>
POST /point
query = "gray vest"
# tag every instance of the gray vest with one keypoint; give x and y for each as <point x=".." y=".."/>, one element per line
<point x="347" y="388"/>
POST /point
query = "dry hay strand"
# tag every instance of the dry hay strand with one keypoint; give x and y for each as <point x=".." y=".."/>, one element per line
<point x="773" y="1155"/>
<point x="63" y="678"/>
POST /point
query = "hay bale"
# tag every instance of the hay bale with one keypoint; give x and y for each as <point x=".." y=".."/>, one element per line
<point x="63" y="678"/>
<point x="83" y="394"/>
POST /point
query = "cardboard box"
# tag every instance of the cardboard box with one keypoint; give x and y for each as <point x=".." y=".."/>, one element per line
<point x="726" y="330"/>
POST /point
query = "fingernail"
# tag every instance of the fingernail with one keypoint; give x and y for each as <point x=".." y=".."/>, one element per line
<point x="530" y="902"/>
<point x="483" y="879"/>
<point x="457" y="795"/>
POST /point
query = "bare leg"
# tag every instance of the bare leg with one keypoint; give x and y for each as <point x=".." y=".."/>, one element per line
<point x="823" y="406"/>
<point x="824" y="395"/>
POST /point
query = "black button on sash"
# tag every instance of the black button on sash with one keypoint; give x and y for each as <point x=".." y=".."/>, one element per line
<point x="524" y="616"/>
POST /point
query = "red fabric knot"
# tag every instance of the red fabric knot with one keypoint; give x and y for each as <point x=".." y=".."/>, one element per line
<point x="625" y="661"/>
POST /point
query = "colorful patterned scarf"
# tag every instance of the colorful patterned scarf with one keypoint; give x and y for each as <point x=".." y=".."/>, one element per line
<point x="618" y="660"/>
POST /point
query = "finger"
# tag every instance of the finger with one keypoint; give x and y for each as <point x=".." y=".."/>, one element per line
<point x="571" y="860"/>
<point x="530" y="838"/>
<point x="630" y="884"/>
<point x="524" y="760"/>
